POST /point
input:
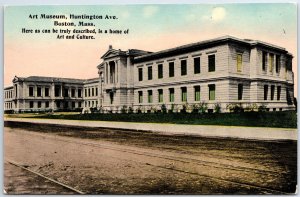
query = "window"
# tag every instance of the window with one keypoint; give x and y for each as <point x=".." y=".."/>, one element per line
<point x="150" y="73"/>
<point x="57" y="104"/>
<point x="111" y="94"/>
<point x="211" y="63"/>
<point x="47" y="104"/>
<point x="79" y="92"/>
<point x="73" y="104"/>
<point x="197" y="93"/>
<point x="140" y="97"/>
<point x="16" y="90"/>
<point x="160" y="71"/>
<point x="39" y="91"/>
<point x="278" y="92"/>
<point x="212" y="92"/>
<point x="197" y="65"/>
<point x="31" y="89"/>
<point x="183" y="94"/>
<point x="140" y="74"/>
<point x="277" y="63"/>
<point x="31" y="104"/>
<point x="264" y="60"/>
<point x="183" y="67"/>
<point x="66" y="92"/>
<point x="271" y="62"/>
<point x="73" y="92"/>
<point x="46" y="91"/>
<point x="89" y="92"/>
<point x="240" y="91"/>
<point x="171" y="69"/>
<point x="39" y="104"/>
<point x="96" y="89"/>
<point x="85" y="92"/>
<point x="93" y="92"/>
<point x="150" y="96"/>
<point x="265" y="92"/>
<point x="272" y="92"/>
<point x="79" y="104"/>
<point x="239" y="61"/>
<point x="171" y="92"/>
<point x="160" y="96"/>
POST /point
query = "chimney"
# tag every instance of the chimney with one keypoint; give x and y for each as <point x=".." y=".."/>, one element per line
<point x="110" y="47"/>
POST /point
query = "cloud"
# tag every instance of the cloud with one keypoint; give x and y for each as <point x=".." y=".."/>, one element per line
<point x="149" y="11"/>
<point x="218" y="13"/>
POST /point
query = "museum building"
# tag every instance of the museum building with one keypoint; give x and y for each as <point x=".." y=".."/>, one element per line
<point x="218" y="72"/>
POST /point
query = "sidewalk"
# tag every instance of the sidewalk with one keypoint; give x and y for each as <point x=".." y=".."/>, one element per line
<point x="258" y="133"/>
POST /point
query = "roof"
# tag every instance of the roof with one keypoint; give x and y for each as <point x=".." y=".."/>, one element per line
<point x="51" y="79"/>
<point x="204" y="44"/>
<point x="9" y="87"/>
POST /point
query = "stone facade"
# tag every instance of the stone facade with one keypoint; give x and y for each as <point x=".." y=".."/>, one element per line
<point x="221" y="72"/>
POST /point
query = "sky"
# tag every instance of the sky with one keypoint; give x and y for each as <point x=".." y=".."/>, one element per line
<point x="151" y="28"/>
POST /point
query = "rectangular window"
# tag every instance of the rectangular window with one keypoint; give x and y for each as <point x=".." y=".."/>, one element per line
<point x="140" y="74"/>
<point x="79" y="104"/>
<point x="265" y="92"/>
<point x="93" y="92"/>
<point x="264" y="60"/>
<point x="240" y="91"/>
<point x="272" y="92"/>
<point x="73" y="104"/>
<point x="47" y="104"/>
<point x="239" y="61"/>
<point x="39" y="104"/>
<point x="57" y="91"/>
<point x="39" y="91"/>
<point x="271" y="62"/>
<point x="211" y="63"/>
<point x="31" y="90"/>
<point x="85" y="92"/>
<point x="96" y="89"/>
<point x="79" y="93"/>
<point x="277" y="63"/>
<point x="171" y="92"/>
<point x="150" y="73"/>
<point x="212" y="92"/>
<point x="183" y="94"/>
<point x="160" y="71"/>
<point x="196" y="65"/>
<point x="197" y="93"/>
<point x="278" y="92"/>
<point x="150" y="96"/>
<point x="160" y="96"/>
<point x="183" y="67"/>
<point x="66" y="92"/>
<point x="73" y="92"/>
<point x="31" y="104"/>
<point x="140" y="96"/>
<point x="89" y="92"/>
<point x="171" y="69"/>
<point x="46" y="91"/>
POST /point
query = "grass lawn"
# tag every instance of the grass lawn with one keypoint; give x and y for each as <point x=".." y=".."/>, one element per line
<point x="282" y="119"/>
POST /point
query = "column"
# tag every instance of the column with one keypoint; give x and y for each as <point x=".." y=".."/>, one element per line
<point x="116" y="71"/>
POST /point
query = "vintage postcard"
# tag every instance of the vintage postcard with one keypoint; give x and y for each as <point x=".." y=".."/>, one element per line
<point x="150" y="99"/>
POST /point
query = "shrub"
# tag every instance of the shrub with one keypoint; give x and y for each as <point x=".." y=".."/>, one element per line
<point x="163" y="108"/>
<point x="195" y="108"/>
<point x="235" y="108"/>
<point x="262" y="108"/>
<point x="203" y="107"/>
<point x="217" y="108"/>
<point x="251" y="107"/>
<point x="184" y="107"/>
<point x="124" y="109"/>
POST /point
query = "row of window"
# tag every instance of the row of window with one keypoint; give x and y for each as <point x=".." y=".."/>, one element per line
<point x="91" y="103"/>
<point x="268" y="60"/>
<point x="90" y="92"/>
<point x="8" y="105"/>
<point x="8" y="94"/>
<point x="57" y="92"/>
<point x="58" y="104"/>
<point x="266" y="91"/>
<point x="183" y="68"/>
<point x="171" y="91"/>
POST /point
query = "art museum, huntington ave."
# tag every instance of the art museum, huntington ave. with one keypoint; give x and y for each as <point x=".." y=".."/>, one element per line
<point x="221" y="72"/>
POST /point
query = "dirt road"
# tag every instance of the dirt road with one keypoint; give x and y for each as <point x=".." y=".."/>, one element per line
<point x="126" y="162"/>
